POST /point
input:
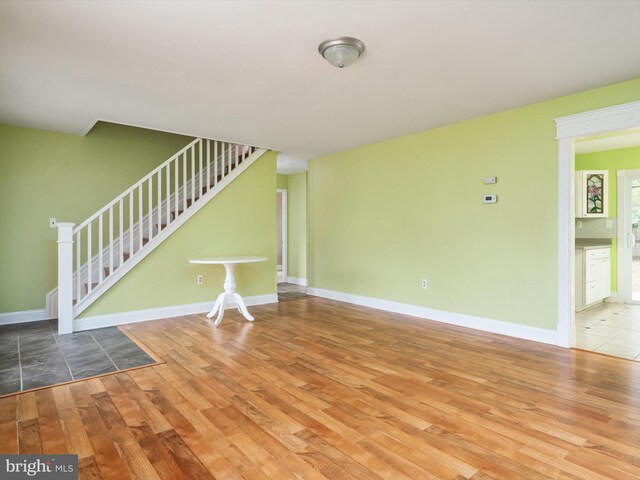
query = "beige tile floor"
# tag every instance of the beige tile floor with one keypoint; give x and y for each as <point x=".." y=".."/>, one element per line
<point x="610" y="328"/>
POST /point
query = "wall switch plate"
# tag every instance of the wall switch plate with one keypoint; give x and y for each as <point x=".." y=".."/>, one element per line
<point x="489" y="198"/>
<point x="578" y="223"/>
<point x="608" y="224"/>
<point x="490" y="180"/>
<point x="424" y="283"/>
<point x="200" y="279"/>
<point x="53" y="223"/>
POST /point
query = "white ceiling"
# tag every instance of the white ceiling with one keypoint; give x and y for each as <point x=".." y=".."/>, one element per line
<point x="609" y="141"/>
<point x="250" y="71"/>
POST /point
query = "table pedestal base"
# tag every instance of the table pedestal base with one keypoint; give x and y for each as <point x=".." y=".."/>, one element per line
<point x="225" y="300"/>
<point x="229" y="297"/>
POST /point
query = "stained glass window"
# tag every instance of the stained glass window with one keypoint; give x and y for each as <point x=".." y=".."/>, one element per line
<point x="595" y="193"/>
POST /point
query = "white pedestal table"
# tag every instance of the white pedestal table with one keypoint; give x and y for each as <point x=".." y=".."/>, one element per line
<point x="229" y="297"/>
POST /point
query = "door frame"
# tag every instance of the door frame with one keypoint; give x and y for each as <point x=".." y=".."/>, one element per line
<point x="625" y="273"/>
<point x="618" y="117"/>
<point x="285" y="250"/>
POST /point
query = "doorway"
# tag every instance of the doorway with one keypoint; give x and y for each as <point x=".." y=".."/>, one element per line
<point x="292" y="236"/>
<point x="286" y="290"/>
<point x="569" y="128"/>
<point x="281" y="235"/>
<point x="607" y="252"/>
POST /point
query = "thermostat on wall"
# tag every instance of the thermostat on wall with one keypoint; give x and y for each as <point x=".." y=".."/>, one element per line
<point x="489" y="198"/>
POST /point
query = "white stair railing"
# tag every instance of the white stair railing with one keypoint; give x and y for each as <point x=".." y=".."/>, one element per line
<point x="116" y="234"/>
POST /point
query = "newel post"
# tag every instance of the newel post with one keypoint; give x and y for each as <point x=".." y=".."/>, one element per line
<point x="65" y="277"/>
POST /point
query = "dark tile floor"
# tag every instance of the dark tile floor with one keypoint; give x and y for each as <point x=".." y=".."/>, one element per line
<point x="33" y="355"/>
<point x="291" y="291"/>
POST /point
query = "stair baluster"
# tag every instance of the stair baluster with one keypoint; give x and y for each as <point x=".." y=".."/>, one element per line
<point x="133" y="225"/>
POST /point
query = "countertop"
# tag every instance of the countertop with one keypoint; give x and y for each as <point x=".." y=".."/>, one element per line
<point x="591" y="246"/>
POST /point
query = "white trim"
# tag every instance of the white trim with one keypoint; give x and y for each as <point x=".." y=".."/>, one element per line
<point x="297" y="281"/>
<point x="566" y="243"/>
<point x="121" y="318"/>
<point x="285" y="232"/>
<point x="624" y="274"/>
<point x="24" y="316"/>
<point x="469" y="321"/>
<point x="617" y="117"/>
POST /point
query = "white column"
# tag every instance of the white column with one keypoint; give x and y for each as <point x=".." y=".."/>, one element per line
<point x="566" y="240"/>
<point x="65" y="277"/>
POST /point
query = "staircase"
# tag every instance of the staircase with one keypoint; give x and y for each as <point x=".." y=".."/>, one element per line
<point x="94" y="255"/>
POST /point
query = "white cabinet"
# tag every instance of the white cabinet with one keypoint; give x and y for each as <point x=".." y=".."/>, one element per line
<point x="603" y="277"/>
<point x="592" y="193"/>
<point x="593" y="276"/>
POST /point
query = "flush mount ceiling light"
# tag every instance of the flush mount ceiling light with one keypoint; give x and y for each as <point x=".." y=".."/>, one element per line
<point x="342" y="51"/>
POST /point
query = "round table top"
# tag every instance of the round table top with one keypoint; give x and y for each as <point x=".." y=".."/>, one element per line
<point x="230" y="259"/>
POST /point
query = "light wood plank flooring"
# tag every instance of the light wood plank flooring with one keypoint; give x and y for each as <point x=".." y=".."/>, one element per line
<point x="320" y="389"/>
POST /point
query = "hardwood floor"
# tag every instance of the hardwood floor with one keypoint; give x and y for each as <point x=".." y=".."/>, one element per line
<point x="320" y="389"/>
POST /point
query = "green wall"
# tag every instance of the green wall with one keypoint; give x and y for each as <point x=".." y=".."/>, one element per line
<point x="282" y="181"/>
<point x="46" y="174"/>
<point x="297" y="225"/>
<point x="612" y="160"/>
<point x="296" y="186"/>
<point x="386" y="215"/>
<point x="241" y="220"/>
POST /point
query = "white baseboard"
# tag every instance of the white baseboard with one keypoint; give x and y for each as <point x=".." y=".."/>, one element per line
<point x="297" y="281"/>
<point x="614" y="298"/>
<point x="23" y="316"/>
<point x="109" y="320"/>
<point x="479" y="323"/>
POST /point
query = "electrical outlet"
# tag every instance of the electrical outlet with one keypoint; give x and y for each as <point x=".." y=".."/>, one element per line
<point x="424" y="283"/>
<point x="200" y="279"/>
<point x="609" y="224"/>
<point x="579" y="224"/>
<point x="53" y="223"/>
<point x="490" y="180"/>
